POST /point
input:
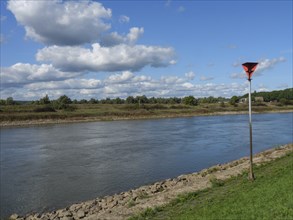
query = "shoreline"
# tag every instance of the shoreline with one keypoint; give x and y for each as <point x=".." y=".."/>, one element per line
<point x="129" y="203"/>
<point x="40" y="122"/>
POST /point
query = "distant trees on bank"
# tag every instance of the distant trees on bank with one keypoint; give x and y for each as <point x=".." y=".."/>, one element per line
<point x="63" y="102"/>
<point x="286" y="94"/>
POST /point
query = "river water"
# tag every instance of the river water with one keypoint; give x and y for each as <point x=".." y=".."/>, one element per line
<point x="53" y="166"/>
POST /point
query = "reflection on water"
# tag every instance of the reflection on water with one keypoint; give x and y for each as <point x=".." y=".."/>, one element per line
<point x="53" y="166"/>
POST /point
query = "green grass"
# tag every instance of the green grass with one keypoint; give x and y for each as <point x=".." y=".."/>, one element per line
<point x="132" y="111"/>
<point x="270" y="196"/>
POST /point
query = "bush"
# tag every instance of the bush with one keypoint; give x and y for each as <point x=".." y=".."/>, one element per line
<point x="156" y="106"/>
<point x="234" y="100"/>
<point x="284" y="101"/>
<point x="62" y="106"/>
<point x="69" y="108"/>
<point x="179" y="107"/>
<point x="44" y="109"/>
<point x="258" y="104"/>
<point x="130" y="107"/>
<point x="189" y="100"/>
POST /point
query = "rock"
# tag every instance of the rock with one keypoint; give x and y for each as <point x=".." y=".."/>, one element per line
<point x="92" y="217"/>
<point x="53" y="215"/>
<point x="65" y="213"/>
<point x="80" y="214"/>
<point x="126" y="195"/>
<point x="157" y="187"/>
<point x="45" y="217"/>
<point x="30" y="217"/>
<point x="109" y="199"/>
<point x="94" y="210"/>
<point x="13" y="216"/>
<point x="134" y="196"/>
<point x="113" y="204"/>
<point x="74" y="207"/>
<point x="67" y="218"/>
<point x="103" y="203"/>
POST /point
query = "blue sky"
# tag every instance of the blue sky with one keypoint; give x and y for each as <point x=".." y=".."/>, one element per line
<point x="100" y="49"/>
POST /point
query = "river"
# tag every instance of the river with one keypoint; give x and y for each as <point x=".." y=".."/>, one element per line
<point x="53" y="166"/>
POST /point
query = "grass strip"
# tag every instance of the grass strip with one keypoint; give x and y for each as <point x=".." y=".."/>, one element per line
<point x="270" y="196"/>
<point x="131" y="111"/>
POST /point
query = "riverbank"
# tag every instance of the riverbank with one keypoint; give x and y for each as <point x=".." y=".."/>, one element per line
<point x="127" y="204"/>
<point x="36" y="122"/>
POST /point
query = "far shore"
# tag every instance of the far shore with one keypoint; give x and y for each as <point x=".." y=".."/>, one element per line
<point x="36" y="122"/>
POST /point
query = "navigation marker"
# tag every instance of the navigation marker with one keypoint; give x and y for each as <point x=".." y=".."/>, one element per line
<point x="249" y="68"/>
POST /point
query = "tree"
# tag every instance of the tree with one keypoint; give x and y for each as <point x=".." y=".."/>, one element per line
<point x="141" y="99"/>
<point x="118" y="101"/>
<point x="234" y="100"/>
<point x="93" y="101"/>
<point x="45" y="100"/>
<point x="10" y="101"/>
<point x="64" y="100"/>
<point x="2" y="102"/>
<point x="62" y="103"/>
<point x="83" y="101"/>
<point x="130" y="100"/>
<point x="284" y="101"/>
<point x="189" y="100"/>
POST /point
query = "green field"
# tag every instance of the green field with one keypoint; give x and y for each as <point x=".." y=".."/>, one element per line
<point x="131" y="111"/>
<point x="270" y="196"/>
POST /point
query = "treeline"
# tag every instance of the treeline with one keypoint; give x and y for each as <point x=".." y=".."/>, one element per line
<point x="63" y="102"/>
<point x="278" y="96"/>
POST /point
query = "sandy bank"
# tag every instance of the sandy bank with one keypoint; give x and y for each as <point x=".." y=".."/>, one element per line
<point x="115" y="118"/>
<point x="126" y="204"/>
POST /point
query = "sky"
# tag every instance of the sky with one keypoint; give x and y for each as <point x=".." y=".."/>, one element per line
<point x="107" y="49"/>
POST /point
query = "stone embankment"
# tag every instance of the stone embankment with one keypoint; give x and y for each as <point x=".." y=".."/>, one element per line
<point x="126" y="204"/>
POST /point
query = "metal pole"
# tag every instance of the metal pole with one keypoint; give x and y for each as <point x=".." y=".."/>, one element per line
<point x="251" y="175"/>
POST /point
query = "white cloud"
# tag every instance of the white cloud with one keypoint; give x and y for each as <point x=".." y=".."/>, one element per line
<point x="124" y="19"/>
<point x="262" y="88"/>
<point x="263" y="65"/>
<point x="114" y="38"/>
<point x="172" y="80"/>
<point x="117" y="58"/>
<point x="190" y="75"/>
<point x="66" y="84"/>
<point x="134" y="34"/>
<point x="206" y="78"/>
<point x="142" y="78"/>
<point x="71" y="23"/>
<point x="24" y="73"/>
<point x="188" y="85"/>
<point x="121" y="85"/>
<point x="172" y="62"/>
<point x="120" y="78"/>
